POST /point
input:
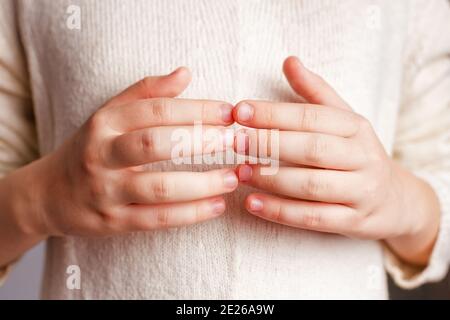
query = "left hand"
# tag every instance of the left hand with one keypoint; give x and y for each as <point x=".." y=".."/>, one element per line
<point x="340" y="179"/>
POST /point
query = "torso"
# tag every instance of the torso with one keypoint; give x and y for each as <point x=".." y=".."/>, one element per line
<point x="235" y="50"/>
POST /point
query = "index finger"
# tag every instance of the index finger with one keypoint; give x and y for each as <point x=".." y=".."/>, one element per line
<point x="167" y="111"/>
<point x="296" y="117"/>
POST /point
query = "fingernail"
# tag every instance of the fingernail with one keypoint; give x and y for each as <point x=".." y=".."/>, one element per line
<point x="226" y="111"/>
<point x="245" y="112"/>
<point x="218" y="206"/>
<point x="230" y="180"/>
<point x="242" y="142"/>
<point x="256" y="205"/>
<point x="245" y="173"/>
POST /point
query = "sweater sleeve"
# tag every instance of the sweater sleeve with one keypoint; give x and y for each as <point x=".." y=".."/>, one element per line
<point x="423" y="135"/>
<point x="17" y="131"/>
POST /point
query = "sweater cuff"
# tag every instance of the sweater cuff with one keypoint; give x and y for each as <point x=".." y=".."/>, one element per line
<point x="409" y="277"/>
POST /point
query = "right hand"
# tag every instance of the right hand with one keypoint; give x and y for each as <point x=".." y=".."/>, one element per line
<point x="90" y="185"/>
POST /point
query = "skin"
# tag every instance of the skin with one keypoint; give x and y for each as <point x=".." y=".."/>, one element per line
<point x="338" y="179"/>
<point x="90" y="186"/>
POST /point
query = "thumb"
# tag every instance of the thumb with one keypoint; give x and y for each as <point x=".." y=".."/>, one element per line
<point x="313" y="88"/>
<point x="170" y="86"/>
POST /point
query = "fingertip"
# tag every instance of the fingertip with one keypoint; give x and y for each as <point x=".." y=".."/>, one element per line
<point x="243" y="112"/>
<point x="181" y="70"/>
<point x="254" y="203"/>
<point x="230" y="180"/>
<point x="182" y="73"/>
<point x="244" y="173"/>
<point x="291" y="66"/>
<point x="218" y="206"/>
<point x="234" y="112"/>
<point x="292" y="61"/>
<point x="226" y="111"/>
<point x="174" y="83"/>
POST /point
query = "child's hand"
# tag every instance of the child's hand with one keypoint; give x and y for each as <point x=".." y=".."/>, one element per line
<point x="340" y="179"/>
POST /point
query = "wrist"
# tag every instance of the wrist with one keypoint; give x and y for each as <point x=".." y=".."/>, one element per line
<point x="19" y="218"/>
<point x="27" y="203"/>
<point x="422" y="215"/>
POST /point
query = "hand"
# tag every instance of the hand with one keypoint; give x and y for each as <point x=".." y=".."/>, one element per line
<point x="339" y="178"/>
<point x="91" y="186"/>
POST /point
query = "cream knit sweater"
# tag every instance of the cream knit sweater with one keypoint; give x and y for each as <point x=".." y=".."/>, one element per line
<point x="388" y="59"/>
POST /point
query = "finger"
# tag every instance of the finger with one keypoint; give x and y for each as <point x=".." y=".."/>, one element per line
<point x="311" y="86"/>
<point x="310" y="149"/>
<point x="166" y="143"/>
<point x="303" y="183"/>
<point x="170" y="187"/>
<point x="296" y="117"/>
<point x="316" y="216"/>
<point x="167" y="111"/>
<point x="170" y="85"/>
<point x="145" y="217"/>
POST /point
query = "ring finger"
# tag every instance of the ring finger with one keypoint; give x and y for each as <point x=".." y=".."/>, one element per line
<point x="303" y="183"/>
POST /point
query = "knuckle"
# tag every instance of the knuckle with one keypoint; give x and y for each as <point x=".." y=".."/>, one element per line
<point x="269" y="115"/>
<point x="161" y="190"/>
<point x="270" y="182"/>
<point x="277" y="213"/>
<point x="147" y="142"/>
<point x="98" y="190"/>
<point x="88" y="145"/>
<point x="307" y="117"/>
<point x="162" y="218"/>
<point x="129" y="188"/>
<point x="312" y="219"/>
<point x="314" y="186"/>
<point x="110" y="220"/>
<point x="315" y="150"/>
<point x="301" y="116"/>
<point x="96" y="122"/>
<point x="89" y="162"/>
<point x="160" y="110"/>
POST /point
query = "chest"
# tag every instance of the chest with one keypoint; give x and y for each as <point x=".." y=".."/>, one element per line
<point x="86" y="51"/>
